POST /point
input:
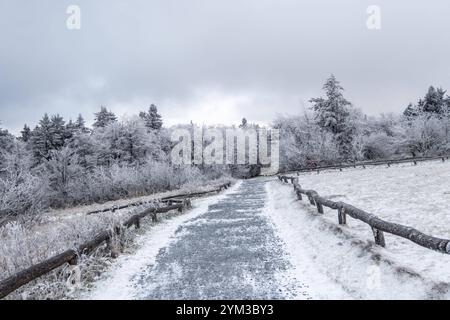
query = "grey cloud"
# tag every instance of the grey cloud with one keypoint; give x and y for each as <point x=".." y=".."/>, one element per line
<point x="276" y="54"/>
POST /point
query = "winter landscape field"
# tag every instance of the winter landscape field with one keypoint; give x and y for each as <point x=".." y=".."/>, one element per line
<point x="411" y="195"/>
<point x="224" y="150"/>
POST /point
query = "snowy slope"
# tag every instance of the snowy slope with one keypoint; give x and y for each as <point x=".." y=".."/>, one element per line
<point x="331" y="262"/>
<point x="415" y="196"/>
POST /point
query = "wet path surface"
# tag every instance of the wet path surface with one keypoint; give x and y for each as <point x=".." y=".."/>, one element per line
<point x="229" y="252"/>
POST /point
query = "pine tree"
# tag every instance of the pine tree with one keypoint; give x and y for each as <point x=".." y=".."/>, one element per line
<point x="332" y="113"/>
<point x="58" y="132"/>
<point x="71" y="129"/>
<point x="152" y="118"/>
<point x="411" y="111"/>
<point x="243" y="124"/>
<point x="80" y="125"/>
<point x="6" y="140"/>
<point x="41" y="139"/>
<point x="25" y="133"/>
<point x="104" y="118"/>
<point x="434" y="101"/>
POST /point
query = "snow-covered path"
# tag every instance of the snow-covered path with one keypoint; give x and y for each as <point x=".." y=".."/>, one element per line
<point x="227" y="247"/>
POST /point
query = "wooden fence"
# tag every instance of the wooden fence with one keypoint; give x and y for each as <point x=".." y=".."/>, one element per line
<point x="164" y="199"/>
<point x="71" y="256"/>
<point x="379" y="226"/>
<point x="363" y="164"/>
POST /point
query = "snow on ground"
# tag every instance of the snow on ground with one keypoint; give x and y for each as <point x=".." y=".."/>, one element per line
<point x="332" y="262"/>
<point x="415" y="196"/>
<point x="303" y="266"/>
<point x="121" y="282"/>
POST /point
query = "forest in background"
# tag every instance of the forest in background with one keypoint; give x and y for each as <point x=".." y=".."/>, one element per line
<point x="333" y="131"/>
<point x="61" y="164"/>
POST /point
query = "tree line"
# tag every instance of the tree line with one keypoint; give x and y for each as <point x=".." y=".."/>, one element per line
<point x="333" y="131"/>
<point x="61" y="163"/>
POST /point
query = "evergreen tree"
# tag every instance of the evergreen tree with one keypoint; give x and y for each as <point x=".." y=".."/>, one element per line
<point x="25" y="133"/>
<point x="411" y="111"/>
<point x="104" y="118"/>
<point x="6" y="141"/>
<point x="152" y="118"/>
<point x="243" y="124"/>
<point x="80" y="125"/>
<point x="58" y="132"/>
<point x="434" y="101"/>
<point x="71" y="129"/>
<point x="41" y="139"/>
<point x="332" y="113"/>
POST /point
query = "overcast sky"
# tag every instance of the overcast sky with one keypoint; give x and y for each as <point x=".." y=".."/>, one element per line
<point x="215" y="61"/>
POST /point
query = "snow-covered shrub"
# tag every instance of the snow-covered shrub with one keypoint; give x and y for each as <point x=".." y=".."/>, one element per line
<point x="425" y="135"/>
<point x="378" y="146"/>
<point x="21" y="192"/>
<point x="23" y="245"/>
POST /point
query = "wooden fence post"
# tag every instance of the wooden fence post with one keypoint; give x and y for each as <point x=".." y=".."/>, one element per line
<point x="379" y="237"/>
<point x="119" y="231"/>
<point x="73" y="261"/>
<point x="111" y="247"/>
<point x="137" y="223"/>
<point x="319" y="207"/>
<point x="342" y="217"/>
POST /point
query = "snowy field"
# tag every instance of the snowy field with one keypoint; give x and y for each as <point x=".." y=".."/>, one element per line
<point x="415" y="196"/>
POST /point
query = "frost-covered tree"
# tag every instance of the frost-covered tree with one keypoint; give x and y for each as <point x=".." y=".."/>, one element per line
<point x="411" y="111"/>
<point x="243" y="124"/>
<point x="104" y="118"/>
<point x="434" y="101"/>
<point x="332" y="113"/>
<point x="152" y="118"/>
<point x="80" y="125"/>
<point x="41" y="139"/>
<point x="6" y="140"/>
<point x="128" y="141"/>
<point x="303" y="143"/>
<point x="62" y="169"/>
<point x="21" y="191"/>
<point x="425" y="135"/>
<point x="70" y="130"/>
<point x="58" y="131"/>
<point x="25" y="134"/>
<point x="84" y="146"/>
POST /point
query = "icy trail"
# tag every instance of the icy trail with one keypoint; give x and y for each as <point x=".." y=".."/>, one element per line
<point x="227" y="247"/>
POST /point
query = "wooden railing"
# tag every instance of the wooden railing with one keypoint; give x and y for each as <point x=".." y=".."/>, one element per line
<point x="164" y="199"/>
<point x="363" y="164"/>
<point x="71" y="256"/>
<point x="378" y="225"/>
